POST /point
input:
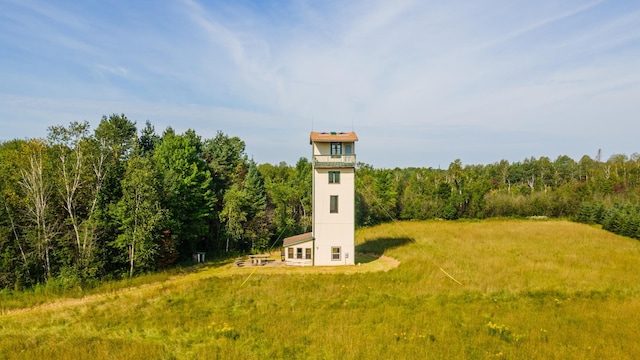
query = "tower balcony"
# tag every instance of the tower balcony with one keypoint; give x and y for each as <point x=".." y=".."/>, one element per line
<point x="334" y="161"/>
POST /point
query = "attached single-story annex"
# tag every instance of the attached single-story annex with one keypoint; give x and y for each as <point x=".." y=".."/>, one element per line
<point x="299" y="249"/>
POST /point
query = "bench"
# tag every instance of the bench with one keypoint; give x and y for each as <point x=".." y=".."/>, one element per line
<point x="259" y="259"/>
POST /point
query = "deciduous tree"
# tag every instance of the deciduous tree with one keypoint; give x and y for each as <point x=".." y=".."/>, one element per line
<point x="140" y="214"/>
<point x="187" y="188"/>
<point x="37" y="189"/>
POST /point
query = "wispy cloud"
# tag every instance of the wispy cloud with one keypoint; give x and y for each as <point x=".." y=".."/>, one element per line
<point x="115" y="70"/>
<point x="426" y="76"/>
<point x="538" y="23"/>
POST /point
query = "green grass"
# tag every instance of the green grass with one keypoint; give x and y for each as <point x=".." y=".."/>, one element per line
<point x="46" y="293"/>
<point x="522" y="290"/>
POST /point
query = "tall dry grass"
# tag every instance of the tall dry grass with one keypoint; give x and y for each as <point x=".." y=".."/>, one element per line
<point x="522" y="289"/>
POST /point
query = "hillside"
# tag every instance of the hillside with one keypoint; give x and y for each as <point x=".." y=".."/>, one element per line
<point x="489" y="289"/>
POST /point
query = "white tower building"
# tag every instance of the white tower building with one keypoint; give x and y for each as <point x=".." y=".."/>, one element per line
<point x="333" y="196"/>
<point x="332" y="239"/>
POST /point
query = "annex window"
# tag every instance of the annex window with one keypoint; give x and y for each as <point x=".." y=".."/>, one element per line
<point x="333" y="204"/>
<point x="290" y="253"/>
<point x="334" y="177"/>
<point x="335" y="253"/>
<point x="298" y="253"/>
<point x="307" y="254"/>
<point x="336" y="149"/>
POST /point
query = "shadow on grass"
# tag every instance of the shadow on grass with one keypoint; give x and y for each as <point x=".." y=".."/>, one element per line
<point x="215" y="262"/>
<point x="372" y="249"/>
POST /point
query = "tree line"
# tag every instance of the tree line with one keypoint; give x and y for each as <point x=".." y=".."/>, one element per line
<point x="87" y="204"/>
<point x="533" y="187"/>
<point x="589" y="191"/>
<point x="82" y="204"/>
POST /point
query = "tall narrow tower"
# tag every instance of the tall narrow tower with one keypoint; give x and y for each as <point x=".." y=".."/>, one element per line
<point x="333" y="197"/>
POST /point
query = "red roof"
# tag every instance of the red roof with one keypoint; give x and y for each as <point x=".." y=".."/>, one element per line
<point x="297" y="239"/>
<point x="333" y="137"/>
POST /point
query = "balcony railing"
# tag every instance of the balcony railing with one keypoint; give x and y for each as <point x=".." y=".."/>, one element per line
<point x="334" y="160"/>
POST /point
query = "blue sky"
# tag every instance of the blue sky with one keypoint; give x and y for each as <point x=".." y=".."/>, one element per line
<point x="422" y="82"/>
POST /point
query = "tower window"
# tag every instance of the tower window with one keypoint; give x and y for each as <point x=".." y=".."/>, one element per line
<point x="334" y="177"/>
<point x="336" y="149"/>
<point x="335" y="253"/>
<point x="348" y="149"/>
<point x="333" y="204"/>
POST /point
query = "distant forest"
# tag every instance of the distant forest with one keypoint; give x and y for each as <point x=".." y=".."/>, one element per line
<point x="85" y="205"/>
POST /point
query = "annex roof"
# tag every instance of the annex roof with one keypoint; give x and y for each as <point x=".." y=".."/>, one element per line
<point x="332" y="136"/>
<point x="297" y="239"/>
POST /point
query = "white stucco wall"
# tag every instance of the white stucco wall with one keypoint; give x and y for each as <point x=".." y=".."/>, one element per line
<point x="334" y="230"/>
<point x="321" y="148"/>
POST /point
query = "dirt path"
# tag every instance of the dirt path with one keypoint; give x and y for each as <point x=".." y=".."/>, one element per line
<point x="394" y="263"/>
<point x="87" y="299"/>
<point x="382" y="263"/>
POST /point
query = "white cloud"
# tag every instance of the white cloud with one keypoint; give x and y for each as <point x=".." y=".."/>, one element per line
<point x="481" y="81"/>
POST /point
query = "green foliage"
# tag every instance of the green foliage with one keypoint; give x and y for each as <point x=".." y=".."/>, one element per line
<point x="257" y="232"/>
<point x="234" y="214"/>
<point x="619" y="218"/>
<point x="105" y="211"/>
<point x="622" y="219"/>
<point x="377" y="195"/>
<point x="449" y="212"/>
<point x="226" y="162"/>
<point x="590" y="213"/>
<point x="114" y="143"/>
<point x="140" y="214"/>
<point x="116" y="135"/>
<point x="148" y="140"/>
<point x="244" y="213"/>
<point x="288" y="193"/>
<point x="187" y="189"/>
<point x="226" y="159"/>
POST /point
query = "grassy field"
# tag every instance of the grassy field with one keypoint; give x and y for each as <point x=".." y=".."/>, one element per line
<point x="511" y="289"/>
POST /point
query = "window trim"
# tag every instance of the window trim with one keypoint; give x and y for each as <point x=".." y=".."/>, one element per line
<point x="290" y="253"/>
<point x="334" y="253"/>
<point x="299" y="253"/>
<point x="334" y="177"/>
<point x="307" y="253"/>
<point x="333" y="204"/>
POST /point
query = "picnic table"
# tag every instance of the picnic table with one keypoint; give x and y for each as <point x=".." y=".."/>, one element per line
<point x="259" y="259"/>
